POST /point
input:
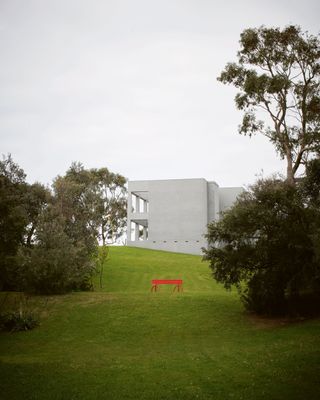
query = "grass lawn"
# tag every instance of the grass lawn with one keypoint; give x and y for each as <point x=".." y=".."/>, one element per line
<point x="124" y="342"/>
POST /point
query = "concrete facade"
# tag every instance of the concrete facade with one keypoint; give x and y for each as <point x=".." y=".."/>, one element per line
<point x="173" y="214"/>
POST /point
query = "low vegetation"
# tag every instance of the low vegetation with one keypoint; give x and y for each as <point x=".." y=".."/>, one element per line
<point x="18" y="321"/>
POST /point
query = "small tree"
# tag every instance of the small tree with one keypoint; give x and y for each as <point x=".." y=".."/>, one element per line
<point x="110" y="211"/>
<point x="278" y="73"/>
<point x="102" y="258"/>
<point x="111" y="207"/>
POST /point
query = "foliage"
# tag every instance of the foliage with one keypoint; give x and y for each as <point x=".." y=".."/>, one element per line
<point x="311" y="183"/>
<point x="49" y="238"/>
<point x="278" y="75"/>
<point x="65" y="240"/>
<point x="311" y="190"/>
<point x="111" y="204"/>
<point x="74" y="200"/>
<point x="20" y="317"/>
<point x="36" y="199"/>
<point x="18" y="321"/>
<point x="266" y="245"/>
<point x="95" y="199"/>
<point x="20" y="206"/>
<point x="58" y="263"/>
<point x="101" y="259"/>
<point x="13" y="218"/>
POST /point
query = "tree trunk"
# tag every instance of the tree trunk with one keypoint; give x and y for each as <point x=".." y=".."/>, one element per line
<point x="103" y="236"/>
<point x="290" y="173"/>
<point x="101" y="275"/>
<point x="29" y="237"/>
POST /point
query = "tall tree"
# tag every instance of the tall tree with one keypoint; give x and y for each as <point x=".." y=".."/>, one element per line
<point x="13" y="218"/>
<point x="36" y="199"/>
<point x="48" y="240"/>
<point x="75" y="198"/>
<point x="65" y="245"/>
<point x="95" y="198"/>
<point x="112" y="204"/>
<point x="278" y="75"/>
<point x="59" y="261"/>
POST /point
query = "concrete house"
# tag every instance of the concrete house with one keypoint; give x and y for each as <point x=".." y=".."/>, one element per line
<point x="173" y="214"/>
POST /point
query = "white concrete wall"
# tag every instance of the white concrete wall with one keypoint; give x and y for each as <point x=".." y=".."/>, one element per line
<point x="227" y="196"/>
<point x="179" y="211"/>
<point x="213" y="202"/>
<point x="189" y="247"/>
<point x="177" y="217"/>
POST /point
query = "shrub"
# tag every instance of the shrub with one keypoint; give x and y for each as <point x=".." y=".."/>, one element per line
<point x="18" y="321"/>
<point x="267" y="246"/>
<point x="57" y="264"/>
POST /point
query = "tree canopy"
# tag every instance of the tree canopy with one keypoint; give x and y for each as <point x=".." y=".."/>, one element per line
<point x="278" y="74"/>
<point x="49" y="237"/>
<point x="268" y="245"/>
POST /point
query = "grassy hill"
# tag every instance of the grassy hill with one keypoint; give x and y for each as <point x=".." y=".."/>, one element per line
<point x="124" y="342"/>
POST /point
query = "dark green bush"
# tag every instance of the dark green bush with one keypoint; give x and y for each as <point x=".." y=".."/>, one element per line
<point x="18" y="321"/>
<point x="57" y="264"/>
<point x="49" y="237"/>
<point x="267" y="245"/>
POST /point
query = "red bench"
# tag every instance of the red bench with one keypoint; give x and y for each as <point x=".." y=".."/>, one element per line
<point x="156" y="282"/>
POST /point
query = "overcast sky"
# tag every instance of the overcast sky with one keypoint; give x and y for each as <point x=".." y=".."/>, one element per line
<point x="131" y="85"/>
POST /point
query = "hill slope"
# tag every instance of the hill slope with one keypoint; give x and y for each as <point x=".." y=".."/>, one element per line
<point x="124" y="342"/>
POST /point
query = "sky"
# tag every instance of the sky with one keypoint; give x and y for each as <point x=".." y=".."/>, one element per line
<point x="132" y="85"/>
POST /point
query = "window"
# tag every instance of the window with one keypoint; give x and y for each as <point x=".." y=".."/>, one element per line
<point x="133" y="203"/>
<point x="132" y="232"/>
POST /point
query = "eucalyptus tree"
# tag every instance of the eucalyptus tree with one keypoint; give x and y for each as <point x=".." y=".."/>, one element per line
<point x="267" y="244"/>
<point x="278" y="75"/>
<point x="111" y="207"/>
<point x="110" y="210"/>
<point x="93" y="203"/>
<point x="94" y="198"/>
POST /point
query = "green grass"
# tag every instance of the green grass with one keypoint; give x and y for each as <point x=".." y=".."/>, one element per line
<point x="124" y="342"/>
